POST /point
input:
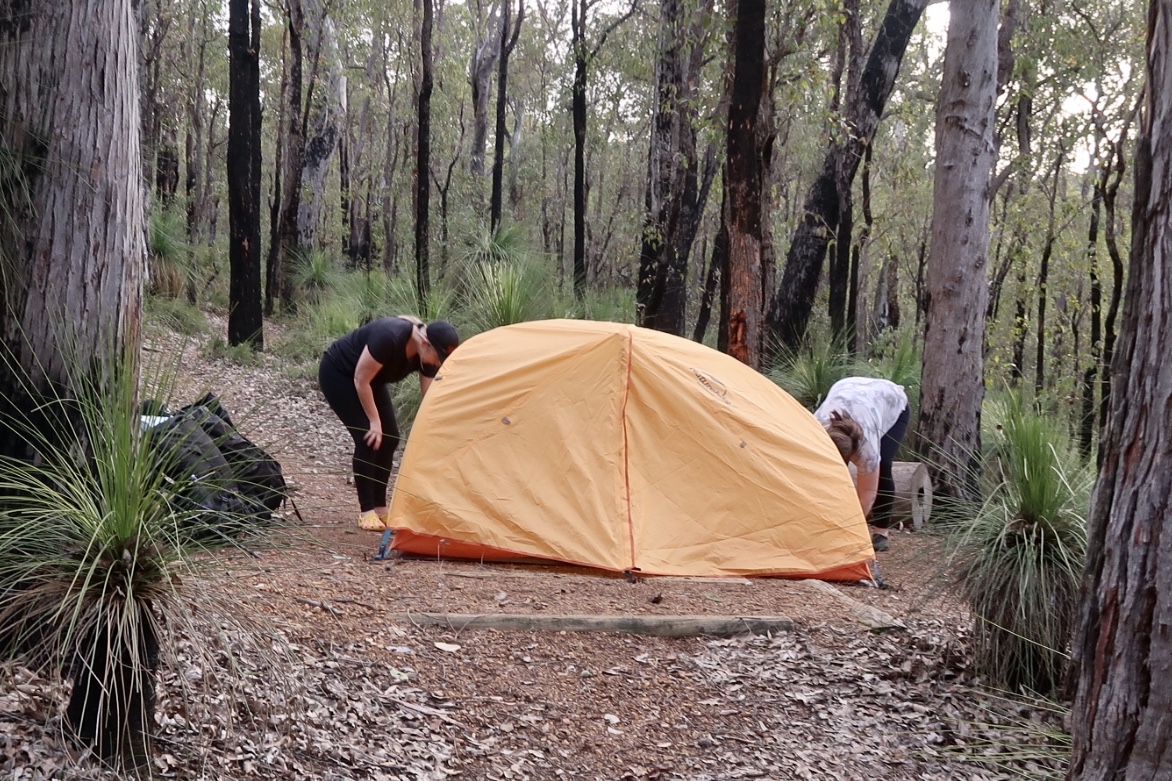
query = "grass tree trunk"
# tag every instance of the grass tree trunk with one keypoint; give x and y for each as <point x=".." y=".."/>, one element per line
<point x="245" y="308"/>
<point x="72" y="238"/>
<point x="1123" y="648"/>
<point x="745" y="170"/>
<point x="953" y="380"/>
<point x="112" y="703"/>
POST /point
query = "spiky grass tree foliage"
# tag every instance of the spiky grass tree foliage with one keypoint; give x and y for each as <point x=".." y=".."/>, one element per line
<point x="500" y="281"/>
<point x="170" y="266"/>
<point x="100" y="560"/>
<point x="314" y="276"/>
<point x="808" y="372"/>
<point x="1019" y="560"/>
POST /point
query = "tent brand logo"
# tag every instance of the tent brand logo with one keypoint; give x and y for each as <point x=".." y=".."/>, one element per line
<point x="712" y="385"/>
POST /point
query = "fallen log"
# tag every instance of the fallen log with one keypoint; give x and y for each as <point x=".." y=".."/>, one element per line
<point x="659" y="626"/>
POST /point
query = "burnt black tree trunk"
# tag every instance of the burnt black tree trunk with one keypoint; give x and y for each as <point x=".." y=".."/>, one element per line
<point x="508" y="41"/>
<point x="578" y="110"/>
<point x="245" y="312"/>
<point x="1044" y="283"/>
<point x="789" y="311"/>
<point x="848" y="58"/>
<point x="1110" y="198"/>
<point x="293" y="150"/>
<point x="675" y="196"/>
<point x="743" y="315"/>
<point x="423" y="158"/>
<point x="582" y="59"/>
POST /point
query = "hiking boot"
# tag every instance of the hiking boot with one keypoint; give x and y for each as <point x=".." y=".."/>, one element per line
<point x="370" y="522"/>
<point x="879" y="542"/>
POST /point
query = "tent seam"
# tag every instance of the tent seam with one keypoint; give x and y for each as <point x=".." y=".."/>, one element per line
<point x="627" y="448"/>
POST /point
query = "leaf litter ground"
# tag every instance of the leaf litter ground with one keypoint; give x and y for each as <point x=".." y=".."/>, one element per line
<point x="363" y="696"/>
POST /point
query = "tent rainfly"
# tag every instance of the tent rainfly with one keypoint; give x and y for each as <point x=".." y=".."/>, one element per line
<point x="612" y="446"/>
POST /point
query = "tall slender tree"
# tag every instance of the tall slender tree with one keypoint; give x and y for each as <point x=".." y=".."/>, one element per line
<point x="953" y="384"/>
<point x="292" y="152"/>
<point x="245" y="308"/>
<point x="508" y="42"/>
<point x="1123" y="648"/>
<point x="423" y="156"/>
<point x="583" y="54"/>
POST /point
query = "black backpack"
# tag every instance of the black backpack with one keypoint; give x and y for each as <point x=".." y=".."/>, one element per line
<point x="231" y="482"/>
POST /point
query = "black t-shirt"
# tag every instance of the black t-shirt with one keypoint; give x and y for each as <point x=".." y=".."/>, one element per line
<point x="386" y="338"/>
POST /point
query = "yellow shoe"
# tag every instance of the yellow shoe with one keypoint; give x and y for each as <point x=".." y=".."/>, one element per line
<point x="370" y="522"/>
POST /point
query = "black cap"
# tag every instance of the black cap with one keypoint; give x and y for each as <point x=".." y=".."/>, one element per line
<point x="443" y="337"/>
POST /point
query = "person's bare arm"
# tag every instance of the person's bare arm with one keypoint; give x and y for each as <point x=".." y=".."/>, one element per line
<point x="867" y="486"/>
<point x="424" y="384"/>
<point x="364" y="373"/>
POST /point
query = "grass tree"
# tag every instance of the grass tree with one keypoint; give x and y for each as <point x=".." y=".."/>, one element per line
<point x="1018" y="560"/>
<point x="100" y="560"/>
<point x="807" y="372"/>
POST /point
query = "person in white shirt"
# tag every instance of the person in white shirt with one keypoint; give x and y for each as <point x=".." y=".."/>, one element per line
<point x="867" y="419"/>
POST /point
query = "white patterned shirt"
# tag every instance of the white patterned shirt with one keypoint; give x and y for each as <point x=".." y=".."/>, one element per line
<point x="874" y="404"/>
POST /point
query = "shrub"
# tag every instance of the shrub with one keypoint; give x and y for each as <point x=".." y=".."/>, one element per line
<point x="101" y="565"/>
<point x="808" y="373"/>
<point x="1019" y="561"/>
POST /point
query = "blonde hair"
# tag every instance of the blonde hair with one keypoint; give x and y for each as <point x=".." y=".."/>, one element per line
<point x="846" y="433"/>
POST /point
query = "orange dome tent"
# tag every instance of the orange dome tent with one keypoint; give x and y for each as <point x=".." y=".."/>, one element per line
<point x="622" y="448"/>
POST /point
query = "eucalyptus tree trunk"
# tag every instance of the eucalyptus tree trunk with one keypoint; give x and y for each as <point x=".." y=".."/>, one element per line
<point x="273" y="259"/>
<point x="485" y="51"/>
<point x="1123" y="649"/>
<point x="72" y="240"/>
<point x="245" y="313"/>
<point x="676" y="193"/>
<point x="660" y="295"/>
<point x="789" y="311"/>
<point x="745" y="172"/>
<point x="325" y="104"/>
<point x="508" y="41"/>
<point x="358" y="180"/>
<point x="195" y="45"/>
<point x="73" y="251"/>
<point x="293" y="150"/>
<point x="953" y="385"/>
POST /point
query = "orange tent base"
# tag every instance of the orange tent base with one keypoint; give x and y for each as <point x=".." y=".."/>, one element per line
<point x="430" y="546"/>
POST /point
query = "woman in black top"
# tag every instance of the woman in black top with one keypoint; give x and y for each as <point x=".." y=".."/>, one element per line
<point x="354" y="375"/>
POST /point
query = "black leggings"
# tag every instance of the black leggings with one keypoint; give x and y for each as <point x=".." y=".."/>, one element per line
<point x="888" y="447"/>
<point x="372" y="468"/>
